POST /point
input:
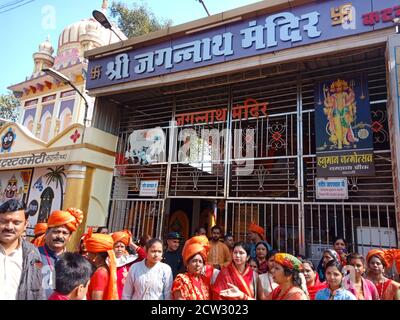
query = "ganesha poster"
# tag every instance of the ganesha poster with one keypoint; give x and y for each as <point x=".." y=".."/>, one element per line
<point x="343" y="133"/>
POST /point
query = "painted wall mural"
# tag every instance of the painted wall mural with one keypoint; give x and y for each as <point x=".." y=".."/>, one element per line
<point x="46" y="194"/>
<point x="7" y="140"/>
<point x="14" y="184"/>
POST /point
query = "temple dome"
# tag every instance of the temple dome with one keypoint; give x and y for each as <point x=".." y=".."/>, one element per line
<point x="46" y="47"/>
<point x="88" y="29"/>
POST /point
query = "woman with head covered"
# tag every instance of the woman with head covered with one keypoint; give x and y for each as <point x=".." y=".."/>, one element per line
<point x="327" y="255"/>
<point x="123" y="241"/>
<point x="286" y="273"/>
<point x="377" y="261"/>
<point x="103" y="284"/>
<point x="193" y="284"/>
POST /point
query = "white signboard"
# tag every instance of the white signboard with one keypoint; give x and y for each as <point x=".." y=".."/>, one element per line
<point x="34" y="160"/>
<point x="331" y="188"/>
<point x="148" y="188"/>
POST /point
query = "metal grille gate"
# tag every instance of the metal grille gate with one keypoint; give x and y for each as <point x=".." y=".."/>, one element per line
<point x="141" y="217"/>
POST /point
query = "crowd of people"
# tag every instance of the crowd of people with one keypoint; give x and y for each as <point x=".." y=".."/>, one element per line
<point x="111" y="266"/>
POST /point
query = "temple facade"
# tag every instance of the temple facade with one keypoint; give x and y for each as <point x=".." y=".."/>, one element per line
<point x="285" y="114"/>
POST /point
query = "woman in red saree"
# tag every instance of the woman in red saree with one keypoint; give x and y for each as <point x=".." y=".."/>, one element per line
<point x="195" y="283"/>
<point x="238" y="274"/>
<point x="103" y="283"/>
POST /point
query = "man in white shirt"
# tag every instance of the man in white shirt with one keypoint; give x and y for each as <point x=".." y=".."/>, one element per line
<point x="20" y="265"/>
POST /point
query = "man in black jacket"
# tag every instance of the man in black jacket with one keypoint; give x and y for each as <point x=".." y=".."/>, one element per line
<point x="20" y="263"/>
<point x="173" y="255"/>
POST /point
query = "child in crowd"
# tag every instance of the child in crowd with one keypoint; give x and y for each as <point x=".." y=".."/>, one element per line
<point x="73" y="273"/>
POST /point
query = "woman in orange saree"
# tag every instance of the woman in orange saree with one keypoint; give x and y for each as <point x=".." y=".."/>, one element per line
<point x="195" y="283"/>
<point x="238" y="274"/>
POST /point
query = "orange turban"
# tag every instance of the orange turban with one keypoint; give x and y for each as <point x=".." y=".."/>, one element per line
<point x="97" y="243"/>
<point x="39" y="241"/>
<point x="123" y="236"/>
<point x="193" y="246"/>
<point x="377" y="253"/>
<point x="387" y="256"/>
<point x="39" y="231"/>
<point x="40" y="228"/>
<point x="256" y="229"/>
<point x="71" y="218"/>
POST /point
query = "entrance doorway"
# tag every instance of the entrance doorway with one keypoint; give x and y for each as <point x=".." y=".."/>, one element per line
<point x="187" y="215"/>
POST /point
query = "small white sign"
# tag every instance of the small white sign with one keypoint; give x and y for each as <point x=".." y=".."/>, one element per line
<point x="331" y="188"/>
<point x="148" y="188"/>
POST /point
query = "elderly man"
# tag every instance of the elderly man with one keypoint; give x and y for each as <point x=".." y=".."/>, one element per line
<point x="256" y="234"/>
<point x="60" y="226"/>
<point x="20" y="265"/>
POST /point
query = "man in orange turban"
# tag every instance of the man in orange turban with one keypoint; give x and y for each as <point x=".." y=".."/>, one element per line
<point x="39" y="232"/>
<point x="256" y="234"/>
<point x="122" y="243"/>
<point x="60" y="226"/>
<point x="103" y="283"/>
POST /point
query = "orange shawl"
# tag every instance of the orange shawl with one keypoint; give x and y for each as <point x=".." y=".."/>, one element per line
<point x="96" y="243"/>
<point x="231" y="275"/>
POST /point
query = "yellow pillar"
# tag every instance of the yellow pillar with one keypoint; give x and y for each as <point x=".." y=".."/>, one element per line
<point x="77" y="195"/>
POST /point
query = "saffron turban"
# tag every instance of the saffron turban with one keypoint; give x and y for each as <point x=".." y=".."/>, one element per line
<point x="39" y="231"/>
<point x="193" y="246"/>
<point x="256" y="229"/>
<point x="71" y="218"/>
<point x="387" y="256"/>
<point x="97" y="243"/>
<point x="288" y="261"/>
<point x="123" y="236"/>
<point x="40" y="228"/>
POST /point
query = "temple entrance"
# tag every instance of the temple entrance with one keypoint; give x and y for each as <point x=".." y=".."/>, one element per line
<point x="186" y="215"/>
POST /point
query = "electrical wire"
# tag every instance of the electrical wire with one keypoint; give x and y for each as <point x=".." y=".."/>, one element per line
<point x="16" y="5"/>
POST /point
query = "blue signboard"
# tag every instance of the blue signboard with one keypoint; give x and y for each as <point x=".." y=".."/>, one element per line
<point x="294" y="27"/>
